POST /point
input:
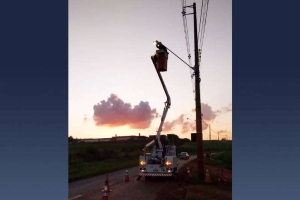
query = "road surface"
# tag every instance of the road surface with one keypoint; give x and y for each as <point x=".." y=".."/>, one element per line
<point x="91" y="188"/>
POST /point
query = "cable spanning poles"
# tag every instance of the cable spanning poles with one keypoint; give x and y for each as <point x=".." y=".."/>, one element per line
<point x="200" y="35"/>
<point x="187" y="40"/>
<point x="186" y="31"/>
<point x="202" y="23"/>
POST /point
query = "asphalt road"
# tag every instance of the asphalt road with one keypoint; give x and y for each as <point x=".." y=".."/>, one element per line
<point x="91" y="188"/>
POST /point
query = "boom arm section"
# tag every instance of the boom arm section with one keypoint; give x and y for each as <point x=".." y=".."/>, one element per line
<point x="167" y="106"/>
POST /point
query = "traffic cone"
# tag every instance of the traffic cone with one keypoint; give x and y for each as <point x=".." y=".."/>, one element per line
<point x="106" y="190"/>
<point x="126" y="177"/>
<point x="207" y="177"/>
<point x="105" y="193"/>
<point x="107" y="184"/>
<point x="189" y="172"/>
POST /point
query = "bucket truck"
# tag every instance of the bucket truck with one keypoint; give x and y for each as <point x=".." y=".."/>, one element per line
<point x="163" y="160"/>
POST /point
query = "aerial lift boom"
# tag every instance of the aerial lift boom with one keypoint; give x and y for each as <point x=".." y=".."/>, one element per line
<point x="163" y="160"/>
<point x="157" y="142"/>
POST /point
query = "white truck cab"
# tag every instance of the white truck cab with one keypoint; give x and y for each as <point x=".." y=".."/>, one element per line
<point x="152" y="165"/>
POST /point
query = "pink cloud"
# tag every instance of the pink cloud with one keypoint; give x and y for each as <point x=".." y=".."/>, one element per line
<point x="114" y="112"/>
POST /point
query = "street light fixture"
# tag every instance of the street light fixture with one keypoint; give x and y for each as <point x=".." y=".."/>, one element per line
<point x="159" y="45"/>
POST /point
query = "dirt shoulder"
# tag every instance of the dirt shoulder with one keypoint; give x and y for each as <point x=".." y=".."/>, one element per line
<point x="189" y="188"/>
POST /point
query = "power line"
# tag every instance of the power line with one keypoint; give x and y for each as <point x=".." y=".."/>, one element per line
<point x="187" y="41"/>
<point x="200" y="18"/>
<point x="204" y="122"/>
<point x="202" y="23"/>
<point x="203" y="17"/>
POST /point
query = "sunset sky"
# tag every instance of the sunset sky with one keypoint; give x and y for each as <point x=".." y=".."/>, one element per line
<point x="113" y="86"/>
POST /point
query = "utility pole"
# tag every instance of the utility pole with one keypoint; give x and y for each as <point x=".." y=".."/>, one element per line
<point x="218" y="135"/>
<point x="201" y="173"/>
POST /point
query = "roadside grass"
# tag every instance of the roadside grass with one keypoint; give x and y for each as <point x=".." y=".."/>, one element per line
<point x="101" y="150"/>
<point x="218" y="161"/>
<point x="91" y="159"/>
<point x="82" y="170"/>
<point x="226" y="159"/>
<point x="208" y="145"/>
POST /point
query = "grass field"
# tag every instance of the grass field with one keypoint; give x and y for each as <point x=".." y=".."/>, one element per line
<point x="91" y="159"/>
<point x="213" y="146"/>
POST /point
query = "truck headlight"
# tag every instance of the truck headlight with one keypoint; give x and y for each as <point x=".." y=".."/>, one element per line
<point x="142" y="162"/>
<point x="168" y="162"/>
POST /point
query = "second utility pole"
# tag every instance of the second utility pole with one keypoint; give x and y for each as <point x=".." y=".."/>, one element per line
<point x="201" y="174"/>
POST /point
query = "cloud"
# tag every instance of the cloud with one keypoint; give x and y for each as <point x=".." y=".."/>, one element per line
<point x="169" y="125"/>
<point x="208" y="113"/>
<point x="114" y="112"/>
<point x="204" y="125"/>
<point x="227" y="108"/>
<point x="217" y="112"/>
<point x="185" y="125"/>
<point x="188" y="125"/>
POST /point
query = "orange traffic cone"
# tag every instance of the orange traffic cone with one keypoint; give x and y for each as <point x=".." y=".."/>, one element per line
<point x="105" y="193"/>
<point x="106" y="190"/>
<point x="207" y="177"/>
<point x="126" y="177"/>
<point x="189" y="172"/>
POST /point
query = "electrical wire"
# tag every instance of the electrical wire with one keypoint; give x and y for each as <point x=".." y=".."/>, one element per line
<point x="200" y="19"/>
<point x="202" y="23"/>
<point x="203" y="29"/>
<point x="187" y="41"/>
<point x="204" y="122"/>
